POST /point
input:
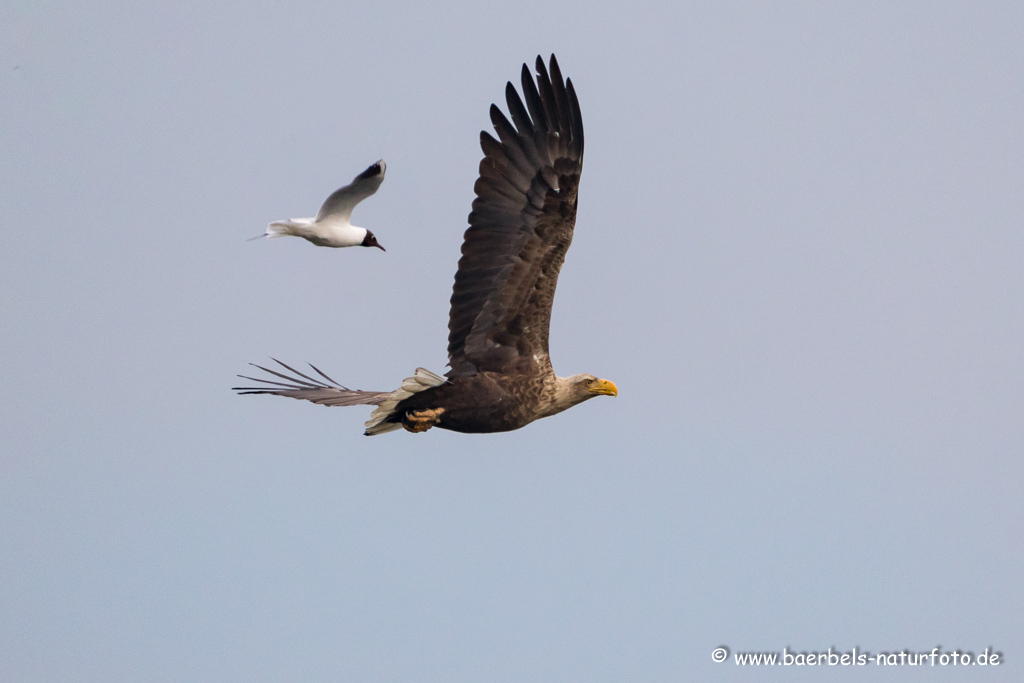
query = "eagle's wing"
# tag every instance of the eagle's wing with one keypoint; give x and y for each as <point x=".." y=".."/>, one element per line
<point x="519" y="230"/>
<point x="301" y="386"/>
<point x="342" y="201"/>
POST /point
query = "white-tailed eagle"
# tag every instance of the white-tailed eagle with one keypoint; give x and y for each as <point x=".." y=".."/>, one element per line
<point x="500" y="375"/>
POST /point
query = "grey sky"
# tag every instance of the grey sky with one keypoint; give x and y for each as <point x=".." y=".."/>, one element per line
<point x="798" y="255"/>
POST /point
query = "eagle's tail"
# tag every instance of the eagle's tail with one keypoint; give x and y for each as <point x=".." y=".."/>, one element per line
<point x="420" y="381"/>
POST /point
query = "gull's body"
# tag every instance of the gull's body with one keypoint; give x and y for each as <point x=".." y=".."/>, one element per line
<point x="332" y="226"/>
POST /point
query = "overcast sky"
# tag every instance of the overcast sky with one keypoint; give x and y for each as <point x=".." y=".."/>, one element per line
<point x="798" y="255"/>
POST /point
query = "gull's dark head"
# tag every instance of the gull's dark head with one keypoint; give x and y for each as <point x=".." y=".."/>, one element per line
<point x="371" y="241"/>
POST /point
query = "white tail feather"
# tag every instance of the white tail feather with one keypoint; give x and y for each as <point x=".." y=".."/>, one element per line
<point x="298" y="227"/>
<point x="421" y="380"/>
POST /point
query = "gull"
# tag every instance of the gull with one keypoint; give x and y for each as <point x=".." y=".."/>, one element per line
<point x="331" y="227"/>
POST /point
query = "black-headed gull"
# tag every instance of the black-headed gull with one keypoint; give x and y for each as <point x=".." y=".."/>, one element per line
<point x="331" y="227"/>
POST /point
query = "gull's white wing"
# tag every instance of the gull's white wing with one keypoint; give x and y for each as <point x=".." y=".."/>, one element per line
<point x="340" y="204"/>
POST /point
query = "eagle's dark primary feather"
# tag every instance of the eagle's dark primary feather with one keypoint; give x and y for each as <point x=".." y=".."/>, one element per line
<point x="519" y="230"/>
<point x="310" y="389"/>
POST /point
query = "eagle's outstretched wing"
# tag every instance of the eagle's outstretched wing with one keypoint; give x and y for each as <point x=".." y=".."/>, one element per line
<point x="301" y="386"/>
<point x="519" y="230"/>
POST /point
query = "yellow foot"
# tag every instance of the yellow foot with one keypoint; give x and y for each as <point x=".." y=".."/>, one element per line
<point x="421" y="420"/>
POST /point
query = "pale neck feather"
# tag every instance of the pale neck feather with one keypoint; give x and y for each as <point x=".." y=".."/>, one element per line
<point x="566" y="392"/>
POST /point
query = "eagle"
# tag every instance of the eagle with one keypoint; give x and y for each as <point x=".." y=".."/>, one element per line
<point x="500" y="376"/>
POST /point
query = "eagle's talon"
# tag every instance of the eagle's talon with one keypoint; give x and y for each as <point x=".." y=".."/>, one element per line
<point x="417" y="421"/>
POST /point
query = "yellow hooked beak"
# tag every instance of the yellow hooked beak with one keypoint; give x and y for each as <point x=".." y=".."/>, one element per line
<point x="604" y="386"/>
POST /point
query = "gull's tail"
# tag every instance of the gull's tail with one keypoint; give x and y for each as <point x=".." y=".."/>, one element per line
<point x="298" y="227"/>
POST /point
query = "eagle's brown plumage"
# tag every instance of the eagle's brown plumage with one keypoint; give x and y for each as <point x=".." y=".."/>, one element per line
<point x="521" y="226"/>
